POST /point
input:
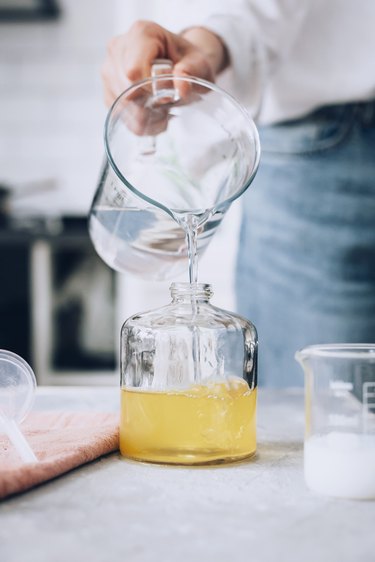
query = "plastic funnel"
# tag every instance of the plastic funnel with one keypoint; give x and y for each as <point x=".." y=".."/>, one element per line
<point x="17" y="387"/>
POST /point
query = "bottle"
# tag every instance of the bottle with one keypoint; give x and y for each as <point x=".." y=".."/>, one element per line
<point x="188" y="382"/>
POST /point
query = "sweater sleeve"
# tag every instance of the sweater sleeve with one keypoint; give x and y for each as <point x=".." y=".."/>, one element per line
<point x="258" y="35"/>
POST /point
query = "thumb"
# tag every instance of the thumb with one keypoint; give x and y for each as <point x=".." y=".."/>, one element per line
<point x="193" y="64"/>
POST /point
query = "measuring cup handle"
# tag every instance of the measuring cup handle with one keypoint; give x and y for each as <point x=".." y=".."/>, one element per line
<point x="163" y="90"/>
<point x="161" y="66"/>
<point x="163" y="93"/>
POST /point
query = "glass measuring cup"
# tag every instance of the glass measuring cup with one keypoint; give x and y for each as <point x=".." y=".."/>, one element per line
<point x="179" y="150"/>
<point x="17" y="386"/>
<point x="339" y="452"/>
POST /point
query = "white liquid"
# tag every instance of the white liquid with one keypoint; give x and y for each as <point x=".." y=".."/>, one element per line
<point x="341" y="465"/>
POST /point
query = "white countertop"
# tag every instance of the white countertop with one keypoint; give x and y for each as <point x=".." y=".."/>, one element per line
<point x="117" y="510"/>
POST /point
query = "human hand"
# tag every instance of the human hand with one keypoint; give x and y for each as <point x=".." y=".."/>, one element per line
<point x="196" y="52"/>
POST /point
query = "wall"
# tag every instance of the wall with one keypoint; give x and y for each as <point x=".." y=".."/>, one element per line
<point x="51" y="109"/>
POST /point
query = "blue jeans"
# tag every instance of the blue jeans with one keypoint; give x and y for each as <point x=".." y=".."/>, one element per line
<point x="306" y="260"/>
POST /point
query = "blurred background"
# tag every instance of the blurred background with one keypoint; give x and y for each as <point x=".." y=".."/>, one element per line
<point x="61" y="308"/>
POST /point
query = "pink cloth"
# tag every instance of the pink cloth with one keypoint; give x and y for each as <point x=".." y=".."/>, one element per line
<point x="61" y="442"/>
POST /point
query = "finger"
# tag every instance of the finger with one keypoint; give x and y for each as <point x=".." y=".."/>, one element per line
<point x="109" y="94"/>
<point x="108" y="97"/>
<point x="143" y="121"/>
<point x="113" y="82"/>
<point x="145" y="42"/>
<point x="195" y="65"/>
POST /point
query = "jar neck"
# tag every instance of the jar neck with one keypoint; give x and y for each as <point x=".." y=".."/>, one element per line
<point x="185" y="292"/>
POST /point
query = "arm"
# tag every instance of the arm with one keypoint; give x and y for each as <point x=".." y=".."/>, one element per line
<point x="249" y="36"/>
<point x="258" y="35"/>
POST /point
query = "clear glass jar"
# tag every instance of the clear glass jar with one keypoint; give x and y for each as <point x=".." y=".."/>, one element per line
<point x="188" y="382"/>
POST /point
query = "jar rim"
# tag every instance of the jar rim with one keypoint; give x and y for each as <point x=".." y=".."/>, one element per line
<point x="339" y="351"/>
<point x="195" y="289"/>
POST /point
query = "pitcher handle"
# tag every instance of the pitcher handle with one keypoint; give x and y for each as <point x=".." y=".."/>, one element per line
<point x="163" y="93"/>
<point x="163" y="90"/>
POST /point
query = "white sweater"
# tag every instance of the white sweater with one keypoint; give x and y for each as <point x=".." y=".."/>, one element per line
<point x="289" y="57"/>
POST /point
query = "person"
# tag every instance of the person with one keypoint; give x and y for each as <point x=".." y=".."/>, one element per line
<point x="305" y="68"/>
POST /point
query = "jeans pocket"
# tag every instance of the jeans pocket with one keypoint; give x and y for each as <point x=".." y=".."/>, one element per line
<point x="319" y="131"/>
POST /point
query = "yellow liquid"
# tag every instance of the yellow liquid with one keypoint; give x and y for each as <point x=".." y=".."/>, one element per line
<point x="202" y="424"/>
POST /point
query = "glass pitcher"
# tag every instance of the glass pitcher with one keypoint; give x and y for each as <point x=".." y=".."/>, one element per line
<point x="188" y="382"/>
<point x="339" y="452"/>
<point x="179" y="150"/>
